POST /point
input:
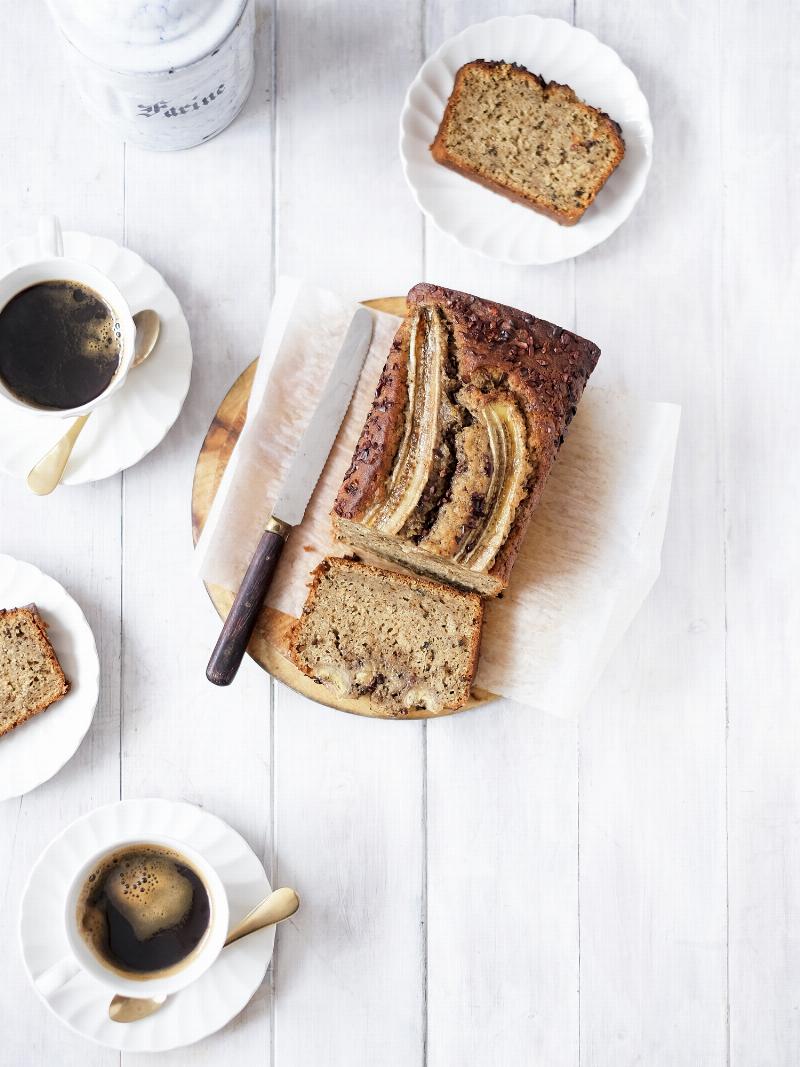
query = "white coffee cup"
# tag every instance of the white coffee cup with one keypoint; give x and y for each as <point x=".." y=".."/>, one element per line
<point x="55" y="266"/>
<point x="81" y="958"/>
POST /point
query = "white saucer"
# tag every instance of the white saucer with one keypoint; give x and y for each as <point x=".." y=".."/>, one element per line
<point x="136" y="419"/>
<point x="203" y="1007"/>
<point x="484" y="221"/>
<point x="39" y="748"/>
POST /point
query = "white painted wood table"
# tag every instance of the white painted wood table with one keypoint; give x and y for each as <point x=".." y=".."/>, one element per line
<point x="497" y="887"/>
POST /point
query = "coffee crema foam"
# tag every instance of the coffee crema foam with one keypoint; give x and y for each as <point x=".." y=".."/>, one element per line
<point x="143" y="910"/>
<point x="86" y="320"/>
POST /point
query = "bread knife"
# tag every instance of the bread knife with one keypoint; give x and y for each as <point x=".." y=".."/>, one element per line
<point x="289" y="508"/>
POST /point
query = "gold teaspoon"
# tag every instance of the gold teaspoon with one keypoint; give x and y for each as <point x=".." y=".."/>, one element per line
<point x="47" y="473"/>
<point x="273" y="909"/>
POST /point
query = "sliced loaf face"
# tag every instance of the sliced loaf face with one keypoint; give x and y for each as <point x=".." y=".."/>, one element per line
<point x="530" y="140"/>
<point x="31" y="678"/>
<point x="467" y="419"/>
<point x="405" y="643"/>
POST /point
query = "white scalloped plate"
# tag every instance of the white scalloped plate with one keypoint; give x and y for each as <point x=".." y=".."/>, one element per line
<point x="39" y="748"/>
<point x="203" y="1007"/>
<point x="485" y="221"/>
<point x="134" y="420"/>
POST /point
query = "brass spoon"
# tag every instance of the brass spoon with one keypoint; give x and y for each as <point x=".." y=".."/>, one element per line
<point x="273" y="909"/>
<point x="46" y="475"/>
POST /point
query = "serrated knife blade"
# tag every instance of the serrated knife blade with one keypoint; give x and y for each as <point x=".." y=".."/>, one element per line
<point x="317" y="440"/>
<point x="301" y="479"/>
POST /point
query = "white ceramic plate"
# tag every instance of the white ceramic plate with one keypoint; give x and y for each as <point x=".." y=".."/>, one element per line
<point x="485" y="221"/>
<point x="132" y="421"/>
<point x="39" y="748"/>
<point x="206" y="1005"/>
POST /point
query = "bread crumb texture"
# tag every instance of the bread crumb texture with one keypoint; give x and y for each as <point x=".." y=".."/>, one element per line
<point x="532" y="140"/>
<point x="404" y="642"/>
<point x="31" y="678"/>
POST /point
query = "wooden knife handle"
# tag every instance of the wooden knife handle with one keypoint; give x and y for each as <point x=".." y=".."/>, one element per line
<point x="240" y="623"/>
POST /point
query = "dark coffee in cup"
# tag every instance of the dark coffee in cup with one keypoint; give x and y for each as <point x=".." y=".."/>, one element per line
<point x="60" y="345"/>
<point x="143" y="911"/>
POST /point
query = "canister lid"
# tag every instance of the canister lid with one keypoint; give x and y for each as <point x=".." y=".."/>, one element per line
<point x="146" y="36"/>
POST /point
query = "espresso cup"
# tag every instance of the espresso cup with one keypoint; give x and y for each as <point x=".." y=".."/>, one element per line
<point x="81" y="957"/>
<point x="54" y="266"/>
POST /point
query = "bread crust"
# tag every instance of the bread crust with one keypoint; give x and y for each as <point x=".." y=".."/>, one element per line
<point x="411" y="581"/>
<point x="544" y="366"/>
<point x="441" y="154"/>
<point x="382" y="431"/>
<point x="34" y="617"/>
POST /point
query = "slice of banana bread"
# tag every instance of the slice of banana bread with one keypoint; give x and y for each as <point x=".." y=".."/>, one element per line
<point x="405" y="642"/>
<point x="530" y="140"/>
<point x="31" y="678"/>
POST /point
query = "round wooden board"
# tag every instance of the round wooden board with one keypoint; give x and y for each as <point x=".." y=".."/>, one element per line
<point x="268" y="645"/>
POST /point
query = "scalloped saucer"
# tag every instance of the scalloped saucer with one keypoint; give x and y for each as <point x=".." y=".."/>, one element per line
<point x="39" y="748"/>
<point x="485" y="221"/>
<point x="134" y="420"/>
<point x="203" y="1007"/>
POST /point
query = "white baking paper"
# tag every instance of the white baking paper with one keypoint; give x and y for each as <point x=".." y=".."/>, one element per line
<point x="592" y="551"/>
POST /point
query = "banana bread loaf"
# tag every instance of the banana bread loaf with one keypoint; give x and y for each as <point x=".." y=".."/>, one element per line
<point x="468" y="416"/>
<point x="404" y="642"/>
<point x="31" y="678"/>
<point x="530" y="140"/>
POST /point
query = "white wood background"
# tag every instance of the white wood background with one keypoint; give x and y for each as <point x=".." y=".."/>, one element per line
<point x="498" y="887"/>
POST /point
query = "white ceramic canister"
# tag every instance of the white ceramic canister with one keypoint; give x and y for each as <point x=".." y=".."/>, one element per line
<point x="164" y="74"/>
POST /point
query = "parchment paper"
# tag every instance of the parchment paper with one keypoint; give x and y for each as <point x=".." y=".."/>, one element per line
<point x="590" y="556"/>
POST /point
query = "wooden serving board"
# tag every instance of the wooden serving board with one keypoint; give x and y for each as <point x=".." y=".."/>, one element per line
<point x="268" y="645"/>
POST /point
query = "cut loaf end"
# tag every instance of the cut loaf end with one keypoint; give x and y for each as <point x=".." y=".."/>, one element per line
<point x="407" y="554"/>
<point x="403" y="642"/>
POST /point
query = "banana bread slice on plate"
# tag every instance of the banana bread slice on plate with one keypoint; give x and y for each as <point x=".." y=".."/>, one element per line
<point x="404" y="642"/>
<point x="467" y="419"/>
<point x="31" y="678"/>
<point x="533" y="141"/>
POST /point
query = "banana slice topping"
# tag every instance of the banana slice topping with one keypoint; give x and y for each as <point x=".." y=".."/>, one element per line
<point x="496" y="417"/>
<point x="505" y="427"/>
<point x="412" y="468"/>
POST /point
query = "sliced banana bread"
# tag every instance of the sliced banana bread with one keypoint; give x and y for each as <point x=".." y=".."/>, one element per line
<point x="404" y="642"/>
<point x="31" y="678"/>
<point x="531" y="140"/>
<point x="467" y="419"/>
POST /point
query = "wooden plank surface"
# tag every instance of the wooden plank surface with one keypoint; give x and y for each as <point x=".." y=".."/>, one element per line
<point x="182" y="737"/>
<point x="499" y="887"/>
<point x="502" y="785"/>
<point x="652" y="741"/>
<point x="74" y="535"/>
<point x="760" y="276"/>
<point x="348" y="792"/>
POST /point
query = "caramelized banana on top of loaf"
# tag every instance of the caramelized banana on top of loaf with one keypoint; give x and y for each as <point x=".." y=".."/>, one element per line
<point x="468" y="416"/>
